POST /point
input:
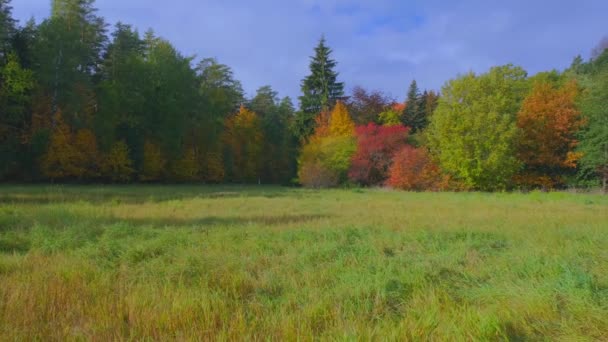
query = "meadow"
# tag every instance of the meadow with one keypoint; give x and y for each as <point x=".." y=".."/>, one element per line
<point x="270" y="263"/>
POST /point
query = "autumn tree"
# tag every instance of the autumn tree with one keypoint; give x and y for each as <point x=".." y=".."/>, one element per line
<point x="549" y="121"/>
<point x="390" y="117"/>
<point x="324" y="161"/>
<point x="117" y="165"/>
<point x="244" y="140"/>
<point x="376" y="146"/>
<point x="89" y="158"/>
<point x="412" y="169"/>
<point x="365" y="106"/>
<point x="62" y="160"/>
<point x="153" y="162"/>
<point x="473" y="131"/>
<point x="187" y="168"/>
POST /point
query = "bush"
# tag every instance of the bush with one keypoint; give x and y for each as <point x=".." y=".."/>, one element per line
<point x="413" y="169"/>
<point x="376" y="146"/>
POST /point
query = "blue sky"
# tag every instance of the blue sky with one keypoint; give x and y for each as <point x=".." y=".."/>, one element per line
<point x="379" y="44"/>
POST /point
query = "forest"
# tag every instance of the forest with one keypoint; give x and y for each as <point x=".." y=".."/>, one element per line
<point x="83" y="102"/>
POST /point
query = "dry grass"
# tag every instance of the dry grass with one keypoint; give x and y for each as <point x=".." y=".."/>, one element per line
<point x="230" y="263"/>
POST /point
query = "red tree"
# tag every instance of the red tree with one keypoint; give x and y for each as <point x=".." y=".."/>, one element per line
<point x="413" y="169"/>
<point x="375" y="150"/>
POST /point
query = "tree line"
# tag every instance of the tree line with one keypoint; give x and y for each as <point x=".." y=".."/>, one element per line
<point x="80" y="102"/>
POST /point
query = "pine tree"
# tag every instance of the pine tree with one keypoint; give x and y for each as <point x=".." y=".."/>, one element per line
<point x="7" y="29"/>
<point x="320" y="90"/>
<point x="414" y="115"/>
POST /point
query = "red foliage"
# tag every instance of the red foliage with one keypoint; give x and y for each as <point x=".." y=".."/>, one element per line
<point x="375" y="150"/>
<point x="413" y="169"/>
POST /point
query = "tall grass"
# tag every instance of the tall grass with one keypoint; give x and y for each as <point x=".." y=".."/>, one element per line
<point x="152" y="262"/>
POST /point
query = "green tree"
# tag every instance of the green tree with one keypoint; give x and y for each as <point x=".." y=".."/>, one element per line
<point x="7" y="30"/>
<point x="473" y="130"/>
<point x="594" y="139"/>
<point x="414" y="114"/>
<point x="320" y="90"/>
<point x="278" y="149"/>
<point x="16" y="84"/>
<point x="68" y="55"/>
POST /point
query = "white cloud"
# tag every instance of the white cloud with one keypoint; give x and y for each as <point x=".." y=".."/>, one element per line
<point x="380" y="44"/>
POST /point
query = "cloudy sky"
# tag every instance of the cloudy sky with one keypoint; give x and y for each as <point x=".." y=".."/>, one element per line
<point x="379" y="44"/>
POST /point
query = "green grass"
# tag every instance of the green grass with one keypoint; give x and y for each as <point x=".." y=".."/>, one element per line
<point x="265" y="263"/>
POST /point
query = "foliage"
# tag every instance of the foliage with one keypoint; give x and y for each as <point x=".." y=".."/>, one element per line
<point x="153" y="163"/>
<point x="89" y="157"/>
<point x="324" y="161"/>
<point x="365" y="106"/>
<point x="279" y="144"/>
<point x="548" y="120"/>
<point x="390" y="117"/>
<point x="376" y="146"/>
<point x="340" y="123"/>
<point x="16" y="84"/>
<point x="117" y="165"/>
<point x="473" y="131"/>
<point x="187" y="168"/>
<point x="62" y="160"/>
<point x="594" y="138"/>
<point x="412" y="169"/>
<point x="244" y="141"/>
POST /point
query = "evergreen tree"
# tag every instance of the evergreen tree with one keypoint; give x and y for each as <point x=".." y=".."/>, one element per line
<point x="320" y="90"/>
<point x="414" y="115"/>
<point x="7" y="29"/>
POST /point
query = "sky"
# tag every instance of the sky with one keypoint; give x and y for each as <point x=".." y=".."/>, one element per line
<point x="378" y="44"/>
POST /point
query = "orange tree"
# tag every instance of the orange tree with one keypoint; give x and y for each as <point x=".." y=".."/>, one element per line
<point x="548" y="121"/>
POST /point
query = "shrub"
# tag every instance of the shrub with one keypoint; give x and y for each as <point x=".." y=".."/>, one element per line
<point x="376" y="146"/>
<point x="413" y="169"/>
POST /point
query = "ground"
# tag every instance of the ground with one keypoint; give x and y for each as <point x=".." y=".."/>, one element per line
<point x="270" y="263"/>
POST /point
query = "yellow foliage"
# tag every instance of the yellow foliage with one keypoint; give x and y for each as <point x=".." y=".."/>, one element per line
<point x="340" y="122"/>
<point x="213" y="167"/>
<point x="243" y="136"/>
<point x="117" y="165"/>
<point x="88" y="155"/>
<point x="187" y="168"/>
<point x="153" y="163"/>
<point x="62" y="159"/>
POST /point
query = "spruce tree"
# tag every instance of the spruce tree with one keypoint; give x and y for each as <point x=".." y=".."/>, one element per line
<point x="320" y="90"/>
<point x="7" y="29"/>
<point x="414" y="115"/>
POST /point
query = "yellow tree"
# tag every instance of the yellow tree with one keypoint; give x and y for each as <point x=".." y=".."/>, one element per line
<point x="549" y="121"/>
<point x="244" y="139"/>
<point x="153" y="163"/>
<point x="88" y="154"/>
<point x="62" y="159"/>
<point x="340" y="122"/>
<point x="325" y="159"/>
<point x="117" y="165"/>
<point x="187" y="168"/>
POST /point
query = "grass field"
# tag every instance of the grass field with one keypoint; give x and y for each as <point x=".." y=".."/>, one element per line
<point x="264" y="263"/>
